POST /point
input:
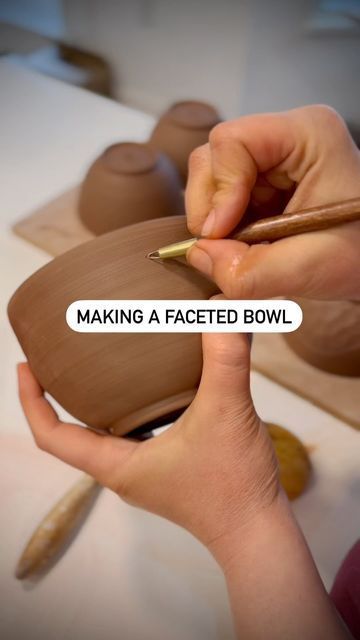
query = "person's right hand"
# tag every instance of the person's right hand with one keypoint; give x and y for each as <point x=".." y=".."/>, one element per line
<point x="304" y="157"/>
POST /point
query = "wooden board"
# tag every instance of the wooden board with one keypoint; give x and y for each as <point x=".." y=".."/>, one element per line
<point x="338" y="395"/>
<point x="56" y="228"/>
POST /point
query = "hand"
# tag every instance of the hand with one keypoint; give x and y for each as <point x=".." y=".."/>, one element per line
<point x="212" y="472"/>
<point x="264" y="165"/>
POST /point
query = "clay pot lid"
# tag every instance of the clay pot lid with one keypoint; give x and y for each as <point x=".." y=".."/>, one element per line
<point x="193" y="115"/>
<point x="130" y="158"/>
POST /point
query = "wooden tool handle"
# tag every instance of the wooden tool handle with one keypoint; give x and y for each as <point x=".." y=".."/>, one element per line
<point x="290" y="224"/>
<point x="56" y="528"/>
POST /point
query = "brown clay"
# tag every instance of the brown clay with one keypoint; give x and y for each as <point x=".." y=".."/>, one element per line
<point x="293" y="459"/>
<point x="329" y="336"/>
<point x="129" y="183"/>
<point x="182" y="128"/>
<point x="113" y="380"/>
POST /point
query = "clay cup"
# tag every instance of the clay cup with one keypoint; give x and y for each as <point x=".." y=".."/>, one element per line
<point x="329" y="336"/>
<point x="129" y="183"/>
<point x="182" y="128"/>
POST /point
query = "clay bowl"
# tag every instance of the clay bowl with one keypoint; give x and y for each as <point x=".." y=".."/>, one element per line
<point x="185" y="126"/>
<point x="111" y="381"/>
<point x="329" y="336"/>
<point x="127" y="184"/>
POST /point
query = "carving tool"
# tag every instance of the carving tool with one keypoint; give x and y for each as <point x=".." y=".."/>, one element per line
<point x="277" y="227"/>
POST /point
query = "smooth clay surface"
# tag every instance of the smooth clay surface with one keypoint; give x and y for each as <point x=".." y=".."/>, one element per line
<point x="129" y="183"/>
<point x="117" y="381"/>
<point x="185" y="126"/>
<point x="329" y="336"/>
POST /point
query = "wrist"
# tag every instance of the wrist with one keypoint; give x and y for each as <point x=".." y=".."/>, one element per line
<point x="244" y="535"/>
<point x="274" y="587"/>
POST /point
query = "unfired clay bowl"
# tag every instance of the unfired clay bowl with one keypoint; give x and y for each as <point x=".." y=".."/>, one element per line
<point x="129" y="183"/>
<point x="111" y="381"/>
<point x="329" y="336"/>
<point x="185" y="126"/>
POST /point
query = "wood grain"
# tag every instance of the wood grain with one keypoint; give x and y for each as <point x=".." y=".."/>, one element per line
<point x="57" y="528"/>
<point x="55" y="227"/>
<point x="293" y="223"/>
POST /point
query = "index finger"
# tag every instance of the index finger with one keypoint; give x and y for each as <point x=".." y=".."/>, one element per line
<point x="221" y="181"/>
<point x="98" y="455"/>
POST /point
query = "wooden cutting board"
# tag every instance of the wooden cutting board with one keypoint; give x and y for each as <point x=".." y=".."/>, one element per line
<point x="338" y="395"/>
<point x="56" y="228"/>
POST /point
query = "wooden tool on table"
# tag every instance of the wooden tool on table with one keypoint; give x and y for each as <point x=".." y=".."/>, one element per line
<point x="277" y="227"/>
<point x="57" y="528"/>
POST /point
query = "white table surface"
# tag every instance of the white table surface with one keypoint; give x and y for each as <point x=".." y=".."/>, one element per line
<point x="128" y="574"/>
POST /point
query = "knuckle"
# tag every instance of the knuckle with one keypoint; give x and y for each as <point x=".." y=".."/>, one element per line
<point x="198" y="158"/>
<point x="239" y="282"/>
<point x="329" y="118"/>
<point x="326" y="112"/>
<point x="233" y="354"/>
<point x="218" y="135"/>
<point x="232" y="284"/>
<point x="125" y="487"/>
<point x="120" y="478"/>
<point x="249" y="284"/>
<point x="40" y="441"/>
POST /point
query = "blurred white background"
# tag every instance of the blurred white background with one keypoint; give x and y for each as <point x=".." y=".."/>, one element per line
<point x="242" y="55"/>
<point x="151" y="579"/>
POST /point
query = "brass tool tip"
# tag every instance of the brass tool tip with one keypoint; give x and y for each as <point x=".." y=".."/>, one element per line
<point x="154" y="255"/>
<point x="176" y="250"/>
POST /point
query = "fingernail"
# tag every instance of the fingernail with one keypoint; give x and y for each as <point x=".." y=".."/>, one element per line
<point x="200" y="260"/>
<point x="209" y="224"/>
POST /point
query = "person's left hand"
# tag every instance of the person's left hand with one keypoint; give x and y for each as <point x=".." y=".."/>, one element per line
<point x="211" y="472"/>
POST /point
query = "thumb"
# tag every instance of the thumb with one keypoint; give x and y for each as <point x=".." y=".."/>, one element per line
<point x="225" y="380"/>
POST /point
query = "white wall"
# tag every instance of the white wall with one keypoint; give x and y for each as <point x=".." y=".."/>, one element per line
<point x="163" y="50"/>
<point x="292" y="62"/>
<point x="41" y="16"/>
<point x="242" y="55"/>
